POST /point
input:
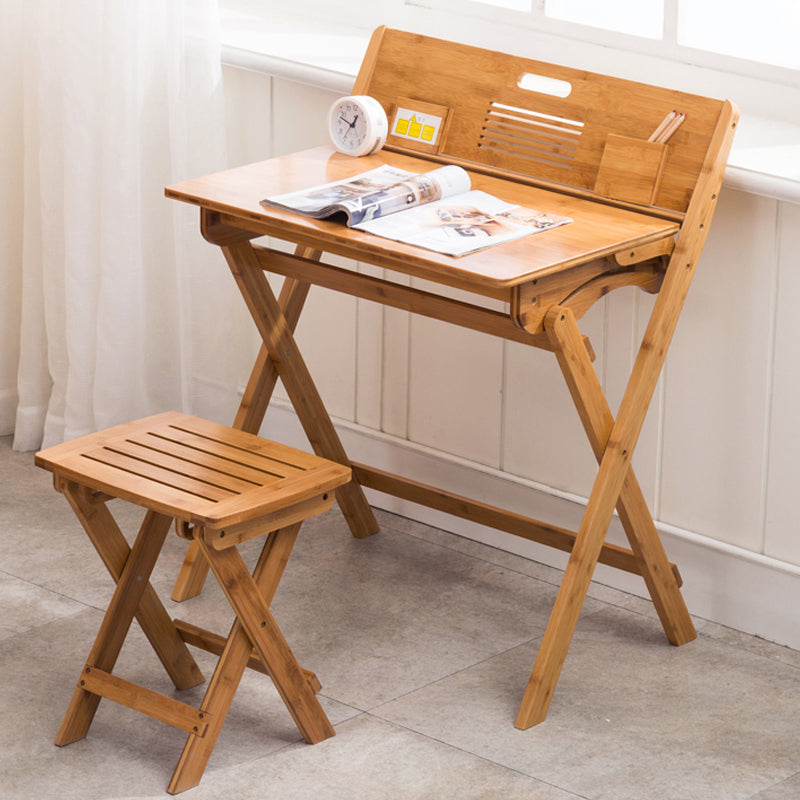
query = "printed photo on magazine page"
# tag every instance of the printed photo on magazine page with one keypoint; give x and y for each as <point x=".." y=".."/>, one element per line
<point x="436" y="210"/>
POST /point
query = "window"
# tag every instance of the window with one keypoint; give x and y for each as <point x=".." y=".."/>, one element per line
<point x="766" y="32"/>
<point x="720" y="48"/>
<point x="723" y="48"/>
<point x="637" y="17"/>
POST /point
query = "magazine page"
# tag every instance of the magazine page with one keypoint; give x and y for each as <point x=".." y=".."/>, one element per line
<point x="322" y="201"/>
<point x="416" y="190"/>
<point x="462" y="224"/>
<point x="375" y="194"/>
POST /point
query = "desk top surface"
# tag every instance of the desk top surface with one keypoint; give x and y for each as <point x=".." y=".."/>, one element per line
<point x="598" y="229"/>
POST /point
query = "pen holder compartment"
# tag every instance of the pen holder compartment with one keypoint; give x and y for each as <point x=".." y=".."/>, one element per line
<point x="631" y="169"/>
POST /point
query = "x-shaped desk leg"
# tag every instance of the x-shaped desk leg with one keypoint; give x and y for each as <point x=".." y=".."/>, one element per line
<point x="287" y="360"/>
<point x="279" y="357"/>
<point x="613" y="442"/>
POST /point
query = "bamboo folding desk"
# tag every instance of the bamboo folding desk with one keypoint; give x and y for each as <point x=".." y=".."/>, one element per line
<point x="575" y="145"/>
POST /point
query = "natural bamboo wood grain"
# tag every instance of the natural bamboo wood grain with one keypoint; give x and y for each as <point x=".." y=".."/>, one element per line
<point x="642" y="228"/>
<point x="234" y="534"/>
<point x="191" y="576"/>
<point x="145" y="701"/>
<point x="214" y="643"/>
<point x="585" y="388"/>
<point x="223" y="486"/>
<point x="113" y="549"/>
<point x="494" y="517"/>
<point x="622" y="436"/>
<point x="379" y="290"/>
<point x="297" y="381"/>
<point x="631" y="169"/>
<point x="469" y="80"/>
<point x="264" y="376"/>
<point x="598" y="229"/>
<point x="212" y="490"/>
<point x="236" y="655"/>
<point x="117" y="620"/>
<point x="268" y="641"/>
<point x="255" y="398"/>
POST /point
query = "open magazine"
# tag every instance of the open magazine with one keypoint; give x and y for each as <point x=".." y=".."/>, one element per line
<point x="436" y="210"/>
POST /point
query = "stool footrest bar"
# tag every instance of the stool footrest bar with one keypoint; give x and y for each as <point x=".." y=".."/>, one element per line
<point x="214" y="643"/>
<point x="173" y="712"/>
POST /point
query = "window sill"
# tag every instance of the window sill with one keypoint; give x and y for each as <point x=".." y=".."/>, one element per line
<point x="309" y="51"/>
<point x="765" y="159"/>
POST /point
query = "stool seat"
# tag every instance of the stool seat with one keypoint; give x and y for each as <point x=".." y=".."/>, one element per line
<point x="195" y="470"/>
<point x="222" y="487"/>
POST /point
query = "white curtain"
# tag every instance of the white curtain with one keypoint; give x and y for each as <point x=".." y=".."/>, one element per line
<point x="112" y="306"/>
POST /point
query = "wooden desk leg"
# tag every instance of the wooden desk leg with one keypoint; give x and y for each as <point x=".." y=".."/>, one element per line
<point x="230" y="668"/>
<point x="276" y="332"/>
<point x="611" y="478"/>
<point x="572" y="592"/>
<point x="132" y="585"/>
<point x="636" y="519"/>
<point x="264" y="376"/>
<point x="250" y="415"/>
<point x="154" y="619"/>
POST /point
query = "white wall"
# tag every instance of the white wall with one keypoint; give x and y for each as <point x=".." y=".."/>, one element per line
<point x="719" y="455"/>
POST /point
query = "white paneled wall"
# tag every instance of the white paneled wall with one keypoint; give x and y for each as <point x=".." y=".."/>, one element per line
<point x="717" y="380"/>
<point x="782" y="518"/>
<point x="719" y="454"/>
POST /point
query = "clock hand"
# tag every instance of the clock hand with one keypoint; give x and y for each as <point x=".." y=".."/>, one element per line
<point x="352" y="124"/>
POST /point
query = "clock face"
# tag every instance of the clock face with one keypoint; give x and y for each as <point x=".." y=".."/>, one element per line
<point x="357" y="125"/>
<point x="349" y="126"/>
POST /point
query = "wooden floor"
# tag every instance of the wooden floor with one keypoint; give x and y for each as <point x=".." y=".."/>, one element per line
<point x="421" y="670"/>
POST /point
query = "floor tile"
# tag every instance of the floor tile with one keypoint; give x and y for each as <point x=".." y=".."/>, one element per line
<point x="370" y="759"/>
<point x="785" y="790"/>
<point x="123" y="748"/>
<point x="378" y="600"/>
<point x="431" y="634"/>
<point x="632" y="716"/>
<point x="25" y="606"/>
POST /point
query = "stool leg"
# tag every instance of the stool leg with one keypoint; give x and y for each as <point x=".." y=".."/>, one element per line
<point x="116" y="623"/>
<point x="233" y="661"/>
<point x="217" y="701"/>
<point x="269" y="643"/>
<point x="191" y="576"/>
<point x="156" y="623"/>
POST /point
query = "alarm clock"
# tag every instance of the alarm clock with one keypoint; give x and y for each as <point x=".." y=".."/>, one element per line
<point x="357" y="125"/>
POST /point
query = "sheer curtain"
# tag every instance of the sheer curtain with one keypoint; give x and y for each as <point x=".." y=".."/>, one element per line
<point x="113" y="306"/>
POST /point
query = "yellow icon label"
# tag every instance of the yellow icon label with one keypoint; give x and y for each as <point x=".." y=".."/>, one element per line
<point x="412" y="124"/>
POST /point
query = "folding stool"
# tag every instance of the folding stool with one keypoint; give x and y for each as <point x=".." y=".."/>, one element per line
<point x="222" y="487"/>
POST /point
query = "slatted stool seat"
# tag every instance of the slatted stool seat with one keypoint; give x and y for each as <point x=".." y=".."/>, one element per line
<point x="223" y="487"/>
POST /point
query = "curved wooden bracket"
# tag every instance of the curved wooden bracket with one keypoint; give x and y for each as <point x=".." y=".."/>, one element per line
<point x="580" y="288"/>
<point x="646" y="276"/>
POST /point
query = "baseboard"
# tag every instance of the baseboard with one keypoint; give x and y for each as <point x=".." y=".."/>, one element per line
<point x="721" y="583"/>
